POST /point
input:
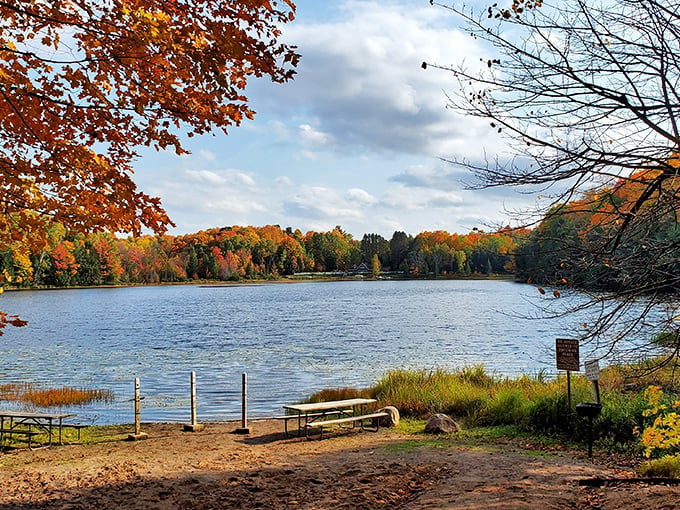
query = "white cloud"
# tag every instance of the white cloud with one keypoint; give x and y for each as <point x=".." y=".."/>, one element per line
<point x="205" y="177"/>
<point x="231" y="205"/>
<point x="283" y="181"/>
<point x="402" y="198"/>
<point x="321" y="203"/>
<point x="313" y="137"/>
<point x="244" y="179"/>
<point x="354" y="140"/>
<point x="360" y="196"/>
<point x="220" y="178"/>
<point x="310" y="155"/>
<point x="360" y="78"/>
<point x="278" y="128"/>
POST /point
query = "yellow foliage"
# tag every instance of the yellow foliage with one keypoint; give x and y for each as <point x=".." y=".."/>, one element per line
<point x="664" y="432"/>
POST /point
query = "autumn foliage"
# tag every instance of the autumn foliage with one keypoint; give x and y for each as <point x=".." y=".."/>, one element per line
<point x="245" y="252"/>
<point x="84" y="83"/>
<point x="581" y="243"/>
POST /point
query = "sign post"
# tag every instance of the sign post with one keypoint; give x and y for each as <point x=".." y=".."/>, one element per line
<point x="591" y="409"/>
<point x="593" y="374"/>
<point x="138" y="425"/>
<point x="567" y="357"/>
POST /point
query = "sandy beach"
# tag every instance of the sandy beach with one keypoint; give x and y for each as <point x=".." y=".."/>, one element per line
<point x="216" y="468"/>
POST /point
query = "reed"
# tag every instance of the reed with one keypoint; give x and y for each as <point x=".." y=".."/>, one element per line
<point x="337" y="394"/>
<point x="36" y="396"/>
<point x="636" y="377"/>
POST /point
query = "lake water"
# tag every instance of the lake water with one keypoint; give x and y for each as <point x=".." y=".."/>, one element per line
<point x="291" y="339"/>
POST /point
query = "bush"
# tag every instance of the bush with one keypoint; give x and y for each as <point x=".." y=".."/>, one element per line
<point x="469" y="402"/>
<point x="550" y="414"/>
<point x="668" y="466"/>
<point x="337" y="394"/>
<point x="421" y="393"/>
<point x="534" y="403"/>
<point x="621" y="418"/>
<point x="662" y="434"/>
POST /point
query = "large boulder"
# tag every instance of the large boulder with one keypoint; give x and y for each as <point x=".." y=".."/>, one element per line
<point x="392" y="418"/>
<point x="441" y="424"/>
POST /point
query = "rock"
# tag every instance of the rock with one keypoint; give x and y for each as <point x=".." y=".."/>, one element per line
<point x="441" y="424"/>
<point x="392" y="418"/>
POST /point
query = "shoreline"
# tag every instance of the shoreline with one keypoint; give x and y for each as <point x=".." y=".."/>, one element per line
<point x="284" y="280"/>
<point x="391" y="468"/>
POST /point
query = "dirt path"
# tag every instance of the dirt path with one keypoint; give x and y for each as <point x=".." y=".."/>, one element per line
<point x="218" y="469"/>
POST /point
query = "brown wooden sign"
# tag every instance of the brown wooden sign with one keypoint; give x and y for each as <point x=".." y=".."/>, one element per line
<point x="566" y="353"/>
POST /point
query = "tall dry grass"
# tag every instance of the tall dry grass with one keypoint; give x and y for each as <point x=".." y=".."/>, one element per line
<point x="35" y="396"/>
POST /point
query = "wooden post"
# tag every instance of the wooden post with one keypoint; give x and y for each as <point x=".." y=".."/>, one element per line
<point x="138" y="423"/>
<point x="193" y="426"/>
<point x="244" y="406"/>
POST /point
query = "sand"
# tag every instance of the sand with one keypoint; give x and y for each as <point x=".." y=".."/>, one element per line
<point x="216" y="468"/>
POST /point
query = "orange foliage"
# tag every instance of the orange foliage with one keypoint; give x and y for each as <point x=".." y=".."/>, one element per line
<point x="84" y="83"/>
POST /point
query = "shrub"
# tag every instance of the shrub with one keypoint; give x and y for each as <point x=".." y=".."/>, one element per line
<point x="421" y="393"/>
<point x="667" y="466"/>
<point x="337" y="394"/>
<point x="533" y="403"/>
<point x="662" y="435"/>
<point x="621" y="418"/>
<point x="476" y="376"/>
<point x="468" y="402"/>
<point x="550" y="414"/>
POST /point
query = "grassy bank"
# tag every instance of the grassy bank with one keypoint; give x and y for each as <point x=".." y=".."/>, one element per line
<point x="527" y="404"/>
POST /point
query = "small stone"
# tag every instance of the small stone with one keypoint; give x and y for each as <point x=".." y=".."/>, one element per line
<point x="441" y="424"/>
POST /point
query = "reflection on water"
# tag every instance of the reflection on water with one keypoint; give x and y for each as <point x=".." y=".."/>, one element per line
<point x="291" y="339"/>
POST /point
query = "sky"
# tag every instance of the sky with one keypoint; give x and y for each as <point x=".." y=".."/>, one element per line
<point x="357" y="139"/>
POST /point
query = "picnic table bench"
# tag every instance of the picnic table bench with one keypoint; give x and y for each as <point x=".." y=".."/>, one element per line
<point x="30" y="424"/>
<point x="317" y="415"/>
<point x="23" y="432"/>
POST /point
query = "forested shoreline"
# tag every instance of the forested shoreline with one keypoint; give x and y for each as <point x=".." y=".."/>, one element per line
<point x="251" y="253"/>
<point x="565" y="249"/>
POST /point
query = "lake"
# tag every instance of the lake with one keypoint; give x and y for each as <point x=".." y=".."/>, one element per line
<point x="290" y="338"/>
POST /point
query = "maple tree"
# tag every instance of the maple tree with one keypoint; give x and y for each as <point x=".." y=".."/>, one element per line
<point x="85" y="83"/>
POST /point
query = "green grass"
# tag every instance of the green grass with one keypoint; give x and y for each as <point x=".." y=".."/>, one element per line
<point x="490" y="439"/>
<point x="532" y="404"/>
<point x="88" y="435"/>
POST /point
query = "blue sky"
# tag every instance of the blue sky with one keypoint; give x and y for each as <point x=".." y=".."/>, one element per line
<point x="355" y="140"/>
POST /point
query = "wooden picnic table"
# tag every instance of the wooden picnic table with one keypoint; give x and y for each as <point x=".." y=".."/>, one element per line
<point x="317" y="414"/>
<point x="28" y="423"/>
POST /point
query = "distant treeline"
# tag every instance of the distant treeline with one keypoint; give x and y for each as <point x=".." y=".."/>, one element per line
<point x="577" y="244"/>
<point x="235" y="253"/>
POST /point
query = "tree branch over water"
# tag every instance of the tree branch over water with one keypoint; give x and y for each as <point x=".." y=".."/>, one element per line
<point x="587" y="96"/>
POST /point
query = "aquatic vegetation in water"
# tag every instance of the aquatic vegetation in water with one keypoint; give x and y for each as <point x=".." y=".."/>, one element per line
<point x="36" y="396"/>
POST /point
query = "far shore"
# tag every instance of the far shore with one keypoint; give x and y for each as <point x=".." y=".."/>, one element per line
<point x="287" y="279"/>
